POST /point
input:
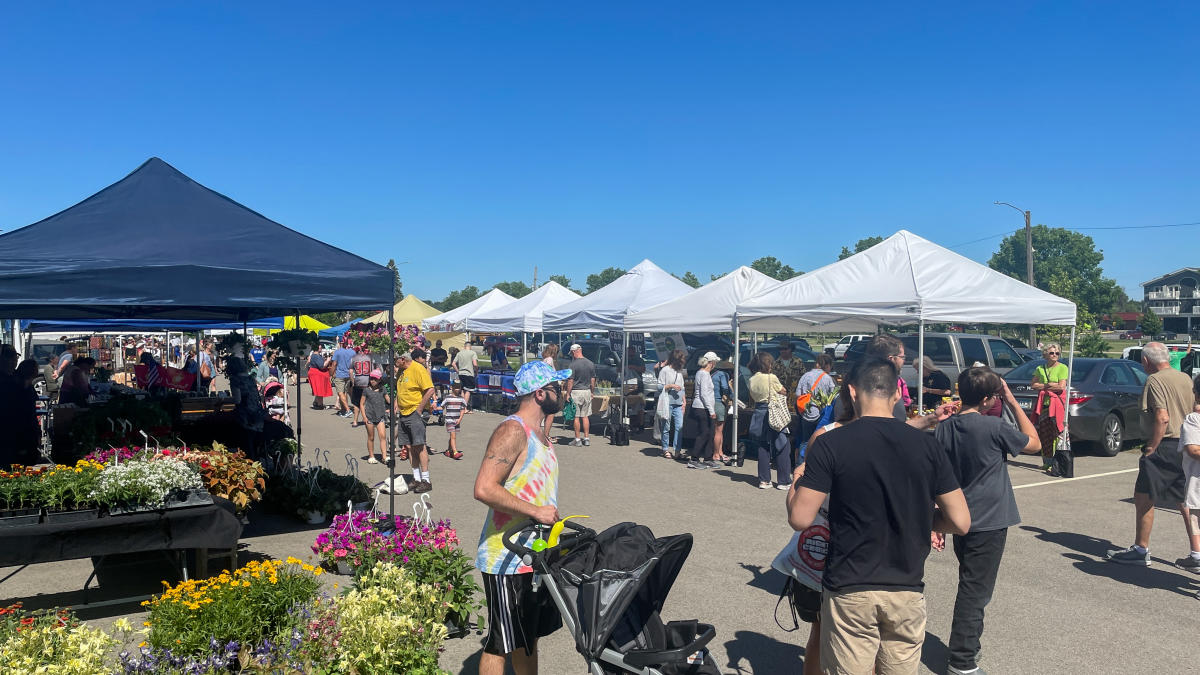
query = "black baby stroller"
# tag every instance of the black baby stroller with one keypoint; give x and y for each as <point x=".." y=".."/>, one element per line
<point x="609" y="588"/>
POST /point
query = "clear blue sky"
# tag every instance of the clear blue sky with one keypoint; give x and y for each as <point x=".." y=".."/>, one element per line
<point x="479" y="139"/>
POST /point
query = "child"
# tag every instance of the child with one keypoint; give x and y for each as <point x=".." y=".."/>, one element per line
<point x="374" y="407"/>
<point x="276" y="403"/>
<point x="452" y="407"/>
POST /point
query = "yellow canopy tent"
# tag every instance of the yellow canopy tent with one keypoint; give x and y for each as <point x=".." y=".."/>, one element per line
<point x="289" y="323"/>
<point x="409" y="311"/>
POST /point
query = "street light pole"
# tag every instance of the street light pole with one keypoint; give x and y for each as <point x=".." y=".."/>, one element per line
<point x="1028" y="263"/>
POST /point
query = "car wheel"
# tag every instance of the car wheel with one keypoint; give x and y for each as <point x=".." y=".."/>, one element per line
<point x="1112" y="435"/>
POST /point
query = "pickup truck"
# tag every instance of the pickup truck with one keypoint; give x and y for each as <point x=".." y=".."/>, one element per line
<point x="838" y="349"/>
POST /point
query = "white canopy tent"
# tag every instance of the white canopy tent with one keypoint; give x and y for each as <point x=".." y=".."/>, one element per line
<point x="708" y="309"/>
<point x="523" y="315"/>
<point x="456" y="319"/>
<point x="904" y="279"/>
<point x="642" y="287"/>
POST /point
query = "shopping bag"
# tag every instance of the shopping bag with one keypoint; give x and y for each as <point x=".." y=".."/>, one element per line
<point x="803" y="559"/>
<point x="778" y="415"/>
<point x="568" y="411"/>
<point x="1063" y="463"/>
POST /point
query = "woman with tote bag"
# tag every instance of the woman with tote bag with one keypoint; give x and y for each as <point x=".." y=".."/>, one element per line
<point x="671" y="403"/>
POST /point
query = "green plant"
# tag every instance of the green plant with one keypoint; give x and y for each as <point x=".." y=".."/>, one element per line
<point x="390" y="624"/>
<point x="283" y="343"/>
<point x="229" y="475"/>
<point x="144" y="482"/>
<point x="247" y="606"/>
<point x="450" y="572"/>
<point x="51" y="642"/>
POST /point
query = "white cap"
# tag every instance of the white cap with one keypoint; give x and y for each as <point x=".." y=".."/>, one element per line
<point x="709" y="357"/>
<point x="573" y="348"/>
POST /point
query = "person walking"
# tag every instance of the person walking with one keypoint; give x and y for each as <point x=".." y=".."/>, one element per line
<point x="549" y="356"/>
<point x="814" y="390"/>
<point x="704" y="414"/>
<point x="883" y="480"/>
<point x="581" y="385"/>
<point x="318" y="379"/>
<point x="466" y="363"/>
<point x="452" y="409"/>
<point x="1189" y="441"/>
<point x="360" y="374"/>
<point x="978" y="446"/>
<point x="723" y="398"/>
<point x="375" y="406"/>
<point x="672" y="402"/>
<point x="1050" y="381"/>
<point x="343" y="386"/>
<point x="414" y="389"/>
<point x="770" y="446"/>
<point x="518" y="478"/>
<point x="1167" y="399"/>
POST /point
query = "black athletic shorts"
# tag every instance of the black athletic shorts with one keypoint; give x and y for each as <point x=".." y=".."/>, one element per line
<point x="356" y="393"/>
<point x="467" y="381"/>
<point x="517" y="616"/>
<point x="1160" y="475"/>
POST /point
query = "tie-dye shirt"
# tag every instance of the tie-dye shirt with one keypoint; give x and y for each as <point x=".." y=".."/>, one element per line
<point x="535" y="482"/>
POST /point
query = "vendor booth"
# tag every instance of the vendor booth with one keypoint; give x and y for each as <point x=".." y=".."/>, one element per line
<point x="456" y="319"/>
<point x="524" y="315"/>
<point x="410" y="311"/>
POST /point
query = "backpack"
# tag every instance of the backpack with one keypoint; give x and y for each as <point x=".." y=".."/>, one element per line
<point x="804" y="399"/>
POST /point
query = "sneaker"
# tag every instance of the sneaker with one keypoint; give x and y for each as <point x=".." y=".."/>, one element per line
<point x="1188" y="563"/>
<point x="422" y="486"/>
<point x="1128" y="556"/>
<point x="764" y="486"/>
<point x="697" y="465"/>
<point x="586" y="441"/>
<point x="951" y="670"/>
<point x="577" y="442"/>
<point x="713" y="464"/>
<point x="782" y="486"/>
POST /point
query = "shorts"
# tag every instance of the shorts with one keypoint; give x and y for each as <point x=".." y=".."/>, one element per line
<point x="467" y="381"/>
<point x="517" y="616"/>
<point x="1161" y="476"/>
<point x="862" y="628"/>
<point x="720" y="410"/>
<point x="582" y="398"/>
<point x="356" y="395"/>
<point x="411" y="429"/>
<point x="452" y="425"/>
<point x="341" y="385"/>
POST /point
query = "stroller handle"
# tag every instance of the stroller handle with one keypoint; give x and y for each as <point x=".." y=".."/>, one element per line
<point x="520" y="526"/>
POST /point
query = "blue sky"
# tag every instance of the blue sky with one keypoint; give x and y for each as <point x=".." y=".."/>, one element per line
<point x="477" y="140"/>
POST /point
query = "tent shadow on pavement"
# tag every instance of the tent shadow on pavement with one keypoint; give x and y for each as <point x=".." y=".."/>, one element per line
<point x="747" y="478"/>
<point x="1082" y="543"/>
<point x="750" y="652"/>
<point x="1142" y="577"/>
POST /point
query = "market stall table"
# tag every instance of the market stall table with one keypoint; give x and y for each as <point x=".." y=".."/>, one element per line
<point x="212" y="526"/>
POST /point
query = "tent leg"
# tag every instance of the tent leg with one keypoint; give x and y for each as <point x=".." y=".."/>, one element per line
<point x="391" y="455"/>
<point x="1070" y="372"/>
<point x="299" y="447"/>
<point x="524" y="346"/>
<point x="921" y="369"/>
<point x="754" y="342"/>
<point x="621" y="380"/>
<point x="737" y="378"/>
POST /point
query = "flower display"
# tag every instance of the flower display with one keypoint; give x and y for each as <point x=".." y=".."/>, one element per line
<point x="390" y="624"/>
<point x="70" y="487"/>
<point x="21" y="487"/>
<point x="52" y="642"/>
<point x="229" y="475"/>
<point x="144" y="481"/>
<point x="375" y="337"/>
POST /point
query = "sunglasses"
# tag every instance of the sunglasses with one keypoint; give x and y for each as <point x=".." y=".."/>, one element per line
<point x="554" y="387"/>
<point x="1052" y="353"/>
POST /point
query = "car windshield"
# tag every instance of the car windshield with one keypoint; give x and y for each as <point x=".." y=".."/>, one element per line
<point x="44" y="354"/>
<point x="1023" y="374"/>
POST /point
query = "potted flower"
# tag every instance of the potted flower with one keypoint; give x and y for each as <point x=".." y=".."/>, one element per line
<point x="293" y="348"/>
<point x="228" y="475"/>
<point x="21" y="491"/>
<point x="143" y="484"/>
<point x="67" y="492"/>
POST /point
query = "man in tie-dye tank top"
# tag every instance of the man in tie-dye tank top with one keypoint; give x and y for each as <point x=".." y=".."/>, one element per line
<point x="518" y="479"/>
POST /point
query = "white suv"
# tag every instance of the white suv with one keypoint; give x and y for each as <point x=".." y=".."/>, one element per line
<point x="838" y="349"/>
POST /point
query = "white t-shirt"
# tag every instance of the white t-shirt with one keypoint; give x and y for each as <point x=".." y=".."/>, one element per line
<point x="1189" y="434"/>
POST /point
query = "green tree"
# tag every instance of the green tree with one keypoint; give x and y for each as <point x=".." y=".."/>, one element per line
<point x="771" y="267"/>
<point x="689" y="279"/>
<point x="1091" y="344"/>
<point x="1151" y="324"/>
<point x="603" y="278"/>
<point x="1065" y="263"/>
<point x="561" y="280"/>
<point x="517" y="289"/>
<point x="862" y="245"/>
<point x="457" y="298"/>
<point x="397" y="285"/>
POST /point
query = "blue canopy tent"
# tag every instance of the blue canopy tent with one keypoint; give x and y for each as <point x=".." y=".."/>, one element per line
<point x="141" y="325"/>
<point x="158" y="245"/>
<point x="338" y="330"/>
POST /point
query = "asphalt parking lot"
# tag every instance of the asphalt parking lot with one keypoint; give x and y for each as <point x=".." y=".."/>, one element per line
<point x="1058" y="607"/>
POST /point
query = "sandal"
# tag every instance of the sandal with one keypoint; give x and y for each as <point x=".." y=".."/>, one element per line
<point x="457" y="454"/>
<point x="403" y="452"/>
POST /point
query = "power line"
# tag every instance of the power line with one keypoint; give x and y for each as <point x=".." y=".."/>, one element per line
<point x="1080" y="229"/>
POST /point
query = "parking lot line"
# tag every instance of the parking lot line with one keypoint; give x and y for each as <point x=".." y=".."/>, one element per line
<point x="1057" y="481"/>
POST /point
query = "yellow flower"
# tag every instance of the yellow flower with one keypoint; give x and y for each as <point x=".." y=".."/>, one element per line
<point x="140" y="644"/>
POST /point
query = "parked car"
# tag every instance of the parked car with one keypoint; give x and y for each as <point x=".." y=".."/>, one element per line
<point x="951" y="352"/>
<point x="1028" y="354"/>
<point x="607" y="362"/>
<point x="838" y="349"/>
<point x="46" y="353"/>
<point x="1105" y="400"/>
<point x="1131" y="335"/>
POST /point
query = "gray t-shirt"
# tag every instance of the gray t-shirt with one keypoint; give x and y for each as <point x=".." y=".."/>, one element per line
<point x="816" y="381"/>
<point x="583" y="372"/>
<point x="464" y="362"/>
<point x="360" y="368"/>
<point x="979" y="447"/>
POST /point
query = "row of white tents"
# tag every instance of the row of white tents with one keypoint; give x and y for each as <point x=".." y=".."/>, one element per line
<point x="904" y="280"/>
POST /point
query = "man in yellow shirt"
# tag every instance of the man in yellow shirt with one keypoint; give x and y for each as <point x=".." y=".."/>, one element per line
<point x="414" y="389"/>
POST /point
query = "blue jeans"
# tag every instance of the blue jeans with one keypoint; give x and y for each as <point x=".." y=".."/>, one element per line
<point x="677" y="418"/>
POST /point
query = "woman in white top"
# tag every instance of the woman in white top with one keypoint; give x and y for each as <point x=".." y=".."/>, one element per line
<point x="672" y="403"/>
<point x="549" y="354"/>
<point x="704" y="414"/>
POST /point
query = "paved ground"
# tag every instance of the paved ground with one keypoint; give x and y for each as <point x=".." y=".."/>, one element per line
<point x="1058" y="607"/>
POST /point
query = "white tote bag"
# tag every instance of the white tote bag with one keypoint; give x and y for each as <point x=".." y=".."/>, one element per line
<point x="803" y="559"/>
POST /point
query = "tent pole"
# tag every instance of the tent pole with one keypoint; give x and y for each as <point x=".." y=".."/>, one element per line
<point x="754" y="340"/>
<point x="524" y="346"/>
<point x="737" y="378"/>
<point x="299" y="447"/>
<point x="621" y="379"/>
<point x="1070" y="372"/>
<point x="391" y="454"/>
<point x="921" y="369"/>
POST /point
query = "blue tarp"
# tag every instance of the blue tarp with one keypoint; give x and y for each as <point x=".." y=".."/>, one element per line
<point x="141" y="325"/>
<point x="158" y="245"/>
<point x="338" y="330"/>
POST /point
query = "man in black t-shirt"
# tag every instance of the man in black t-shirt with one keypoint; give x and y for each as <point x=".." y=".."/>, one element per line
<point x="437" y="356"/>
<point x="882" y="478"/>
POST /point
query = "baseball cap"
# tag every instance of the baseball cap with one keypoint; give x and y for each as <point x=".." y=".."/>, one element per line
<point x="376" y="374"/>
<point x="709" y="357"/>
<point x="535" y="375"/>
<point x="573" y="348"/>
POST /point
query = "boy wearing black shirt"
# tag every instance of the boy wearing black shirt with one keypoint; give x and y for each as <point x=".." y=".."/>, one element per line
<point x="979" y="447"/>
<point x="883" y="479"/>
